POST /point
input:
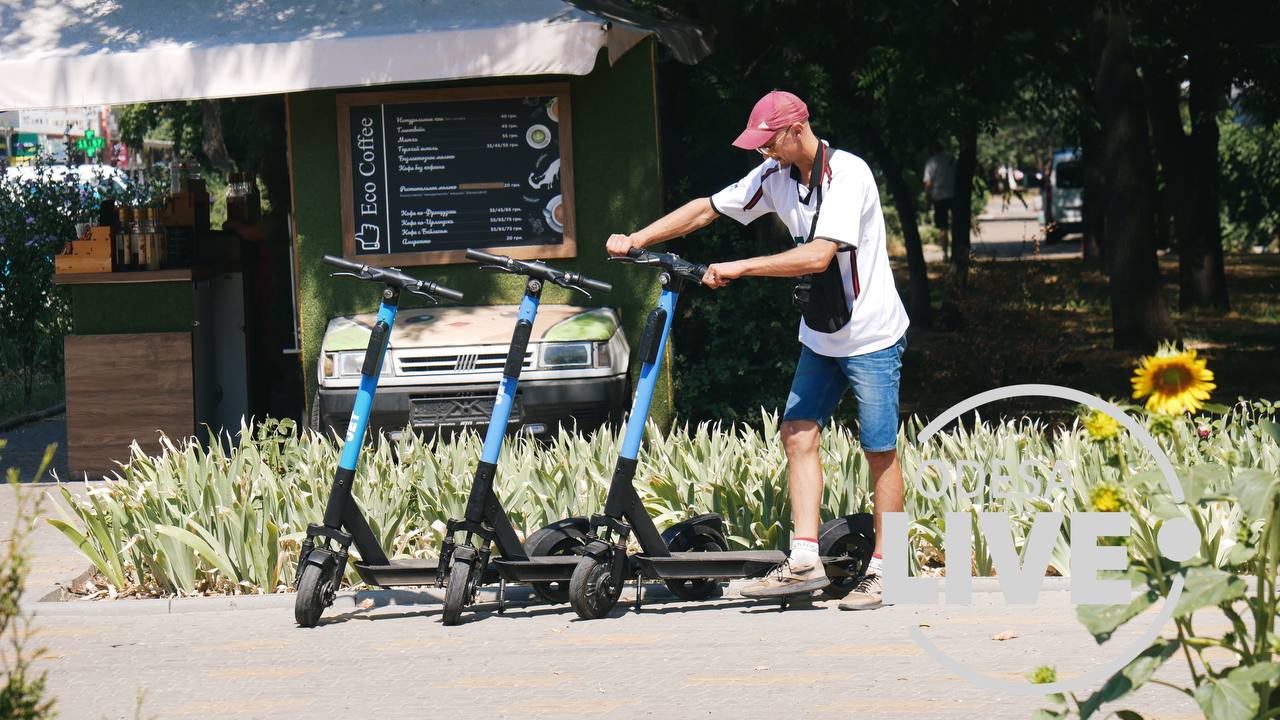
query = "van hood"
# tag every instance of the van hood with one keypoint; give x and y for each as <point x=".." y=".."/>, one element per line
<point x="456" y="325"/>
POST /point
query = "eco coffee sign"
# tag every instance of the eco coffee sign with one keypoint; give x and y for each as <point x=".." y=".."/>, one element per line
<point x="1021" y="579"/>
<point x="427" y="175"/>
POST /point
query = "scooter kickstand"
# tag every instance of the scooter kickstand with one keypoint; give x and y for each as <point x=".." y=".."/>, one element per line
<point x="502" y="595"/>
<point x="783" y="606"/>
<point x="638" y="592"/>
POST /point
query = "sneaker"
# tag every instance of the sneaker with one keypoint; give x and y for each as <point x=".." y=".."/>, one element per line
<point x="788" y="579"/>
<point x="866" y="595"/>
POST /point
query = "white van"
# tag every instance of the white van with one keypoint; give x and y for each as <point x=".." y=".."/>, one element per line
<point x="1063" y="200"/>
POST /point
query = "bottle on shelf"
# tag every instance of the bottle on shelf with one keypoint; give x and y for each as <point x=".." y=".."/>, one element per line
<point x="121" y="242"/>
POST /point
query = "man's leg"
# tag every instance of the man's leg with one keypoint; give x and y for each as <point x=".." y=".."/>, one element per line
<point x="816" y="388"/>
<point x="875" y="384"/>
<point x="804" y="475"/>
<point x="887" y="474"/>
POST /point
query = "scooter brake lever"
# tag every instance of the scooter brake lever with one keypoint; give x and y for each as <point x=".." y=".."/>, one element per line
<point x="434" y="300"/>
<point x="346" y="274"/>
<point x="570" y="286"/>
<point x="499" y="268"/>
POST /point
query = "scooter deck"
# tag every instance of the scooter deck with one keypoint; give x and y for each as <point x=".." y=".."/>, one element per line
<point x="544" y="568"/>
<point x="695" y="565"/>
<point x="735" y="564"/>
<point x="408" y="572"/>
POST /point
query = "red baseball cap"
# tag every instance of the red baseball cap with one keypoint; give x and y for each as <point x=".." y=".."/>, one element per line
<point x="774" y="111"/>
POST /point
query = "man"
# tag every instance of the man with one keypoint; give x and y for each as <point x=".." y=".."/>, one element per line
<point x="939" y="187"/>
<point x="828" y="200"/>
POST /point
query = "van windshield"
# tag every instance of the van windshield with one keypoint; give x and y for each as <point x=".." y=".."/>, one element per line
<point x="1069" y="174"/>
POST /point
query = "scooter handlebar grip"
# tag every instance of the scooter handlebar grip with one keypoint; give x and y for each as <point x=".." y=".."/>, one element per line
<point x="343" y="263"/>
<point x="593" y="284"/>
<point x="442" y="291"/>
<point x="482" y="256"/>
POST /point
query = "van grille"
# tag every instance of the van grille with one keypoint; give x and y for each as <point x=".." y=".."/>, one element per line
<point x="451" y="362"/>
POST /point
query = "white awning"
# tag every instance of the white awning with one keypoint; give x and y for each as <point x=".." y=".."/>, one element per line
<point x="60" y="53"/>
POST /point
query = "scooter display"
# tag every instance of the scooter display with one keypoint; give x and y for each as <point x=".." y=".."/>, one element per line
<point x="547" y="558"/>
<point x="691" y="557"/>
<point x="323" y="558"/>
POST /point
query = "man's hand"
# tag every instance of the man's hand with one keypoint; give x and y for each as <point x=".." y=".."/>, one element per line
<point x="619" y="245"/>
<point x="719" y="274"/>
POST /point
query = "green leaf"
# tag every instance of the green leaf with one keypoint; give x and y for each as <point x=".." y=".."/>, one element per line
<point x="1128" y="715"/>
<point x="1102" y="620"/>
<point x="1270" y="428"/>
<point x="1234" y="697"/>
<point x="1130" y="677"/>
<point x="202" y="548"/>
<point x="1255" y="492"/>
<point x="1215" y="408"/>
<point x="1207" y="587"/>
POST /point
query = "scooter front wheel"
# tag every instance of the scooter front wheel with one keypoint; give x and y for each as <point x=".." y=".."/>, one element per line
<point x="592" y="591"/>
<point x="313" y="590"/>
<point x="455" y="596"/>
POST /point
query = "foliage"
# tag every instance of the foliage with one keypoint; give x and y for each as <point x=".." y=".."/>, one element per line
<point x="22" y="695"/>
<point x="1250" y="157"/>
<point x="1234" y="573"/>
<point x="195" y="521"/>
<point x="37" y="217"/>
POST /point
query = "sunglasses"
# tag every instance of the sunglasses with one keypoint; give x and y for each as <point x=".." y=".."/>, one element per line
<point x="767" y="149"/>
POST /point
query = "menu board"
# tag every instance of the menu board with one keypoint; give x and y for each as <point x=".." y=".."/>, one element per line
<point x="428" y="174"/>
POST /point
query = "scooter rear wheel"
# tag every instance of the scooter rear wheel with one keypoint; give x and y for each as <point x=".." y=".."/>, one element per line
<point x="551" y="541"/>
<point x="455" y="596"/>
<point x="851" y="537"/>
<point x="591" y="589"/>
<point x="313" y="588"/>
<point x="703" y="540"/>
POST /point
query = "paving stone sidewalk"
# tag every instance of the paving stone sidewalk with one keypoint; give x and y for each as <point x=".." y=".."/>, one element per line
<point x="730" y="658"/>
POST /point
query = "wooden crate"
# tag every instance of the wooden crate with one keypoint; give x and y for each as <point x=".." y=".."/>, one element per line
<point x="89" y="254"/>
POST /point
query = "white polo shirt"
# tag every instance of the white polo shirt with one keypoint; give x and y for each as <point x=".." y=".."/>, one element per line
<point x="850" y="216"/>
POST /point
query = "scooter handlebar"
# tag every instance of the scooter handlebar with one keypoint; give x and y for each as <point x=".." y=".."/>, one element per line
<point x="667" y="261"/>
<point x="540" y="270"/>
<point x="392" y="276"/>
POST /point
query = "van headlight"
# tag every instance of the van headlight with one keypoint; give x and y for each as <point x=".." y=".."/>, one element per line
<point x="567" y="355"/>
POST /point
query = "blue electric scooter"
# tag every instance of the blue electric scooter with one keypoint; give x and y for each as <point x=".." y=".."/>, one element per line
<point x="323" y="558"/>
<point x="547" y="557"/>
<point x="692" y="556"/>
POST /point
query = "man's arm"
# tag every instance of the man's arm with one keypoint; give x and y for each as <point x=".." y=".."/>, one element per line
<point x="691" y="216"/>
<point x="811" y="257"/>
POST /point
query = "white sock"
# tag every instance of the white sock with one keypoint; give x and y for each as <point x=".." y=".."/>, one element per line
<point x="875" y="566"/>
<point x="804" y="552"/>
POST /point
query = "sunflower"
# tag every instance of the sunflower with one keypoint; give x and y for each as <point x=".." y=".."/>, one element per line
<point x="1175" y="382"/>
<point x="1101" y="426"/>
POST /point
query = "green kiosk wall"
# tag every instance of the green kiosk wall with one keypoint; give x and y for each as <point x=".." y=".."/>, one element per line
<point x="618" y="188"/>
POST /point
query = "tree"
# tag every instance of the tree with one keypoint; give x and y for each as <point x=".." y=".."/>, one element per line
<point x="1139" y="316"/>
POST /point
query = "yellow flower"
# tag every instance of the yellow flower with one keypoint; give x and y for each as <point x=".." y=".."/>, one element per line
<point x="1105" y="498"/>
<point x="1175" y="381"/>
<point x="1101" y="426"/>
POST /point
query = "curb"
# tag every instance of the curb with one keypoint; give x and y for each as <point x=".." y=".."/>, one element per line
<point x="350" y="601"/>
<point x="13" y="422"/>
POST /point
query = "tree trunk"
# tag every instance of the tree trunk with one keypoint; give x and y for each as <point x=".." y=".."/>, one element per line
<point x="1203" y="277"/>
<point x="215" y="145"/>
<point x="1139" y="316"/>
<point x="904" y="200"/>
<point x="1164" y="110"/>
<point x="1095" y="196"/>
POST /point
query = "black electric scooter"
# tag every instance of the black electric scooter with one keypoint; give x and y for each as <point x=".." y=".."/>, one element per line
<point x="548" y="557"/>
<point x="323" y="559"/>
<point x="692" y="556"/>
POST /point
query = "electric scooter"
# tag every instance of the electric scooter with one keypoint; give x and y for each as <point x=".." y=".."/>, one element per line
<point x="547" y="558"/>
<point x="320" y="568"/>
<point x="323" y="558"/>
<point x="692" y="556"/>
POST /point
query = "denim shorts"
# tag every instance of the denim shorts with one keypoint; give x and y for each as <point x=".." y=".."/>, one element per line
<point x="820" y="382"/>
